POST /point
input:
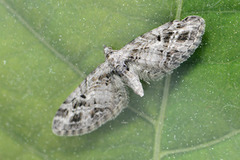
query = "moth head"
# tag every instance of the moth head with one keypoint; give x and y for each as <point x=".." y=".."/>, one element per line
<point x="108" y="51"/>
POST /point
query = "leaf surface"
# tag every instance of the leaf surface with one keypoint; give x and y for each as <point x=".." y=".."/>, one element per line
<point x="49" y="47"/>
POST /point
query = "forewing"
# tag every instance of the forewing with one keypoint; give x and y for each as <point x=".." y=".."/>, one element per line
<point x="163" y="49"/>
<point x="99" y="98"/>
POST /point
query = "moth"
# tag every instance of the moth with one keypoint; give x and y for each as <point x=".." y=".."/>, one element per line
<point x="102" y="95"/>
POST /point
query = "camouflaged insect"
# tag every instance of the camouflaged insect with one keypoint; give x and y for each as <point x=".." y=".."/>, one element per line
<point x="102" y="95"/>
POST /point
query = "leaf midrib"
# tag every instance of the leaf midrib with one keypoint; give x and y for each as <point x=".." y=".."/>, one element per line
<point x="160" y="121"/>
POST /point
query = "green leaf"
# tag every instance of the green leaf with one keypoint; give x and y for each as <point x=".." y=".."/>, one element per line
<point x="49" y="47"/>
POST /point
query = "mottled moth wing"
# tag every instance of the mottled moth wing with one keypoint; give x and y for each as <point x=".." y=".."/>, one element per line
<point x="163" y="49"/>
<point x="102" y="95"/>
<point x="99" y="98"/>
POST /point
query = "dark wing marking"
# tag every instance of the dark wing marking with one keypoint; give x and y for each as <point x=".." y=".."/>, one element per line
<point x="99" y="98"/>
<point x="163" y="49"/>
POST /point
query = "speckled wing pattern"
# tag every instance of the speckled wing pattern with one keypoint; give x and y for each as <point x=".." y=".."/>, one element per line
<point x="99" y="98"/>
<point x="102" y="95"/>
<point x="163" y="49"/>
